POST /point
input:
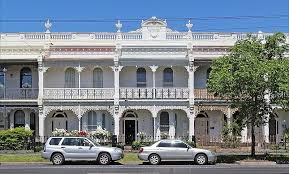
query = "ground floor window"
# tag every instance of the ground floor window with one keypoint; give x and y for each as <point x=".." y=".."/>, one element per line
<point x="19" y="119"/>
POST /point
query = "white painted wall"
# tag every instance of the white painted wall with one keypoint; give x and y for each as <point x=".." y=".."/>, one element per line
<point x="180" y="78"/>
<point x="127" y="77"/>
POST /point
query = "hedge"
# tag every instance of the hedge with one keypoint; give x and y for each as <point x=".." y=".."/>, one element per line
<point x="15" y="139"/>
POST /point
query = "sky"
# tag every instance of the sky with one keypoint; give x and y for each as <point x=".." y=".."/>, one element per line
<point x="206" y="15"/>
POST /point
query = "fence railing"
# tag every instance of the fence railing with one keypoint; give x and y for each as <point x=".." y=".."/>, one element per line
<point x="154" y="93"/>
<point x="18" y="93"/>
<point x="76" y="93"/>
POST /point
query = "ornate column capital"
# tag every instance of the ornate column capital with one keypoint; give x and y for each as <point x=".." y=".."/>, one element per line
<point x="116" y="68"/>
<point x="154" y="68"/>
<point x="79" y="69"/>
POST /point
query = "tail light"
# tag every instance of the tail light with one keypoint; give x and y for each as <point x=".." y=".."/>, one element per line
<point x="140" y="150"/>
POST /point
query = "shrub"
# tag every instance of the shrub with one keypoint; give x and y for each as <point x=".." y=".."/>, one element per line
<point x="136" y="145"/>
<point x="141" y="136"/>
<point x="191" y="143"/>
<point x="15" y="138"/>
<point x="231" y="135"/>
<point x="164" y="135"/>
<point x="120" y="145"/>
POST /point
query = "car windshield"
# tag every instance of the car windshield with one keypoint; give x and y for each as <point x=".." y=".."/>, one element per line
<point x="94" y="142"/>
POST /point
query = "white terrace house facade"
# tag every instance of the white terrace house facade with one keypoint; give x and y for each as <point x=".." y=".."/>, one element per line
<point x="151" y="80"/>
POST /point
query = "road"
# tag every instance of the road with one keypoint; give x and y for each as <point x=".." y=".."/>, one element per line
<point x="142" y="169"/>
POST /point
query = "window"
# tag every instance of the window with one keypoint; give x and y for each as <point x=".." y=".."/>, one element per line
<point x="164" y="122"/>
<point x="208" y="73"/>
<point x="55" y="141"/>
<point x="93" y="121"/>
<point x="72" y="141"/>
<point x="2" y="83"/>
<point x="179" y="145"/>
<point x="168" y="77"/>
<point x="97" y="78"/>
<point x="164" y="144"/>
<point x="141" y="78"/>
<point x="19" y="119"/>
<point x="32" y="121"/>
<point x="70" y="78"/>
<point x="25" y="78"/>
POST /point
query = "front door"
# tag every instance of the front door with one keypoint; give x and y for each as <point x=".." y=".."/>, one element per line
<point x="129" y="131"/>
<point x="201" y="130"/>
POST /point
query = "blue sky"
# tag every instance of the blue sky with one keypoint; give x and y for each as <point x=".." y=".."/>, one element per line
<point x="172" y="10"/>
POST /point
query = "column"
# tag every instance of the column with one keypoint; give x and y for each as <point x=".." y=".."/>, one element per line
<point x="41" y="119"/>
<point x="154" y="69"/>
<point x="40" y="80"/>
<point x="191" y="71"/>
<point x="154" y="115"/>
<point x="79" y="123"/>
<point x="116" y="124"/>
<point x="79" y="70"/>
<point x="191" y="115"/>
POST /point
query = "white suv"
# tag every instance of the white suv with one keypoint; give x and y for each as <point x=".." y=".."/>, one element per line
<point x="61" y="149"/>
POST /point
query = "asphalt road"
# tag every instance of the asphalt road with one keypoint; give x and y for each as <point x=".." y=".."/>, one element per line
<point x="142" y="169"/>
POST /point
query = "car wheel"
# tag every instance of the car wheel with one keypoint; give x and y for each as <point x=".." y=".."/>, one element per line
<point x="154" y="159"/>
<point x="201" y="159"/>
<point x="57" y="159"/>
<point x="104" y="158"/>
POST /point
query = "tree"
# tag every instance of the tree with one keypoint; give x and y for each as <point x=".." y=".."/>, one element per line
<point x="251" y="75"/>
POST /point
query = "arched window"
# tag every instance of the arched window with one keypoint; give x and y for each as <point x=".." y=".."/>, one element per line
<point x="168" y="77"/>
<point x="164" y="122"/>
<point x="70" y="78"/>
<point x="25" y="78"/>
<point x="19" y="119"/>
<point x="97" y="78"/>
<point x="141" y="77"/>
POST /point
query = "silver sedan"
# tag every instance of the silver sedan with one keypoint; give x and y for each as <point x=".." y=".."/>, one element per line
<point x="175" y="150"/>
<point x="61" y="149"/>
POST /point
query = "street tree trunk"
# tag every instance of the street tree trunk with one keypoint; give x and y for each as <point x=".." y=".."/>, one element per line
<point x="253" y="139"/>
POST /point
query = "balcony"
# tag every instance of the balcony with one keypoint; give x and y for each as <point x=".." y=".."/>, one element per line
<point x="203" y="94"/>
<point x="154" y="93"/>
<point x="78" y="94"/>
<point x="18" y="93"/>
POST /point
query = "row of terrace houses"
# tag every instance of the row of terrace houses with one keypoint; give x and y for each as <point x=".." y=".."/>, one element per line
<point x="150" y="80"/>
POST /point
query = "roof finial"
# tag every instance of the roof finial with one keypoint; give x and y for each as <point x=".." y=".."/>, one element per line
<point x="189" y="26"/>
<point x="118" y="25"/>
<point x="47" y="25"/>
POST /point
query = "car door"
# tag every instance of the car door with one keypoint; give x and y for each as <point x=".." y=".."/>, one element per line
<point x="181" y="151"/>
<point x="87" y="149"/>
<point x="165" y="150"/>
<point x="71" y="148"/>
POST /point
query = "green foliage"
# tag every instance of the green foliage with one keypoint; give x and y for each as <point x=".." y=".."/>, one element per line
<point x="15" y="138"/>
<point x="191" y="143"/>
<point x="164" y="135"/>
<point x="120" y="145"/>
<point x="286" y="134"/>
<point x="231" y="135"/>
<point x="248" y="73"/>
<point x="136" y="145"/>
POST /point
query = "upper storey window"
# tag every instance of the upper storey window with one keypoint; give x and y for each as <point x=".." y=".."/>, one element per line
<point x="168" y="77"/>
<point x="70" y="78"/>
<point x="25" y="78"/>
<point x="141" y="77"/>
<point x="97" y="78"/>
<point x="2" y="83"/>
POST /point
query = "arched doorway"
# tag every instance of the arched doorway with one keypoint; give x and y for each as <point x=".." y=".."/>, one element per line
<point x="130" y="126"/>
<point x="273" y="124"/>
<point x="59" y="121"/>
<point x="202" y="128"/>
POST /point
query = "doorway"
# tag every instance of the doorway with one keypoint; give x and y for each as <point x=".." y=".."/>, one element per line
<point x="272" y="129"/>
<point x="201" y="128"/>
<point x="129" y="131"/>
